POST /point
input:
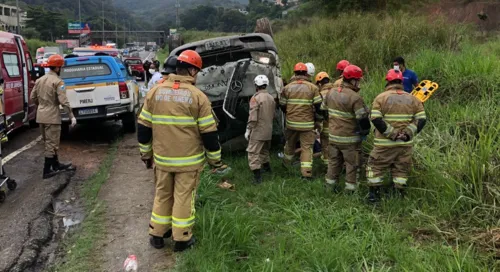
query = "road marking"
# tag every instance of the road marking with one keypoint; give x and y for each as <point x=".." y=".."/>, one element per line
<point x="148" y="57"/>
<point x="20" y="150"/>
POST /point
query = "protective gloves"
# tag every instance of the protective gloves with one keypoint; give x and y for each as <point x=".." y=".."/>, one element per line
<point x="73" y="122"/>
<point x="247" y="134"/>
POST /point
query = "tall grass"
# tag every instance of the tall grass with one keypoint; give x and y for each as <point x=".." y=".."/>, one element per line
<point x="289" y="225"/>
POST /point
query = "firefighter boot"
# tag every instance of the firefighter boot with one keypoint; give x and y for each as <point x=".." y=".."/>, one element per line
<point x="48" y="170"/>
<point x="374" y="194"/>
<point x="181" y="246"/>
<point x="157" y="242"/>
<point x="257" y="176"/>
<point x="62" y="166"/>
<point x="266" y="168"/>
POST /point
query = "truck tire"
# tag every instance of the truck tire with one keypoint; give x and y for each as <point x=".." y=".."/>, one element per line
<point x="129" y="122"/>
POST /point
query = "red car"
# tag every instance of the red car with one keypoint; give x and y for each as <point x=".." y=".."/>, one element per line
<point x="135" y="65"/>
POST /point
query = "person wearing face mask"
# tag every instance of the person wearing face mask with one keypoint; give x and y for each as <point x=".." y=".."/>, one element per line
<point x="178" y="132"/>
<point x="48" y="94"/>
<point x="410" y="78"/>
<point x="348" y="123"/>
<point x="156" y="75"/>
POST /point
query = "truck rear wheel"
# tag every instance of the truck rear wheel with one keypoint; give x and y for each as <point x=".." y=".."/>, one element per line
<point x="129" y="122"/>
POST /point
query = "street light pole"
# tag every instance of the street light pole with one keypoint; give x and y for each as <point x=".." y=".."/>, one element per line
<point x="116" y="29"/>
<point x="18" y="30"/>
<point x="80" y="21"/>
<point x="102" y="22"/>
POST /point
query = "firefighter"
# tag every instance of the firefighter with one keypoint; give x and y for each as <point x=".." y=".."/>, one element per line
<point x="323" y="81"/>
<point x="300" y="100"/>
<point x="348" y="123"/>
<point x="177" y="130"/>
<point x="260" y="128"/>
<point x="398" y="117"/>
<point x="48" y="94"/>
<point x="168" y="68"/>
<point x="341" y="65"/>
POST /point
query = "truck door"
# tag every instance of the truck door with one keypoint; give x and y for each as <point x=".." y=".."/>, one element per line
<point x="13" y="85"/>
<point x="24" y="76"/>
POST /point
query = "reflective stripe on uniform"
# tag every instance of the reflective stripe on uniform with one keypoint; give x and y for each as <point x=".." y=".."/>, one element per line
<point x="294" y="101"/>
<point x="159" y="219"/>
<point x="369" y="172"/>
<point x="283" y="101"/>
<point x="173" y="120"/>
<point x="375" y="181"/>
<point x="388" y="142"/>
<point x="206" y="121"/>
<point x="183" y="223"/>
<point x="388" y="130"/>
<point x="216" y="155"/>
<point x="146" y="116"/>
<point x="398" y="117"/>
<point x="337" y="113"/>
<point x="145" y="148"/>
<point x="345" y="139"/>
<point x="317" y="99"/>
<point x="180" y="161"/>
<point x="400" y="181"/>
<point x="413" y="128"/>
<point x="376" y="114"/>
<point x="330" y="181"/>
<point x="306" y="164"/>
<point x="420" y="115"/>
<point x="360" y="113"/>
<point x="300" y="124"/>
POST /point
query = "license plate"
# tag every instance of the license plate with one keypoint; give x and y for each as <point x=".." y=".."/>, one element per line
<point x="88" y="111"/>
<point x="212" y="45"/>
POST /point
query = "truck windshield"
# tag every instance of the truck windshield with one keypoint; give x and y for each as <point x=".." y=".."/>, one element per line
<point x="85" y="70"/>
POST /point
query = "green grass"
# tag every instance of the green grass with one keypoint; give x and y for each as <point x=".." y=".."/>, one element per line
<point x="80" y="247"/>
<point x="449" y="221"/>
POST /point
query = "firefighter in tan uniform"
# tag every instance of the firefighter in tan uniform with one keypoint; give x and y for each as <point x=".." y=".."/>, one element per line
<point x="398" y="117"/>
<point x="168" y="68"/>
<point x="323" y="82"/>
<point x="341" y="65"/>
<point x="177" y="130"/>
<point x="49" y="92"/>
<point x="300" y="100"/>
<point x="348" y="117"/>
<point x="260" y="128"/>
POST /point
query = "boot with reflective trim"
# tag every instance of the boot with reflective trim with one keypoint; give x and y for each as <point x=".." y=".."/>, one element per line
<point x="62" y="166"/>
<point x="266" y="168"/>
<point x="332" y="185"/>
<point x="181" y="246"/>
<point x="257" y="177"/>
<point x="374" y="194"/>
<point x="350" y="187"/>
<point x="48" y="170"/>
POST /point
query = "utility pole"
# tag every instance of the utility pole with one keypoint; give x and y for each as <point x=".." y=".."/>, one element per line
<point x="177" y="18"/>
<point x="102" y="22"/>
<point x="18" y="30"/>
<point x="116" y="30"/>
<point x="80" y="21"/>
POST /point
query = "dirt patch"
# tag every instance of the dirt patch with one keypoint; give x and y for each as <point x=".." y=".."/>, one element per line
<point x="128" y="197"/>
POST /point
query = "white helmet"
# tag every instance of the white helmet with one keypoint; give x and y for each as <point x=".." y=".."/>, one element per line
<point x="261" y="80"/>
<point x="311" y="70"/>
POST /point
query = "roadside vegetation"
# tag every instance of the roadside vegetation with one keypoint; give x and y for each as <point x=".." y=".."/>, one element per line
<point x="449" y="222"/>
<point x="80" y="249"/>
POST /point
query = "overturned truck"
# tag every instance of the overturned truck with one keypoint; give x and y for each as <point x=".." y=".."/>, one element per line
<point x="230" y="65"/>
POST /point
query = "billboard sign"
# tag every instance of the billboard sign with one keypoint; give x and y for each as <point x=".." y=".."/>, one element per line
<point x="78" y="28"/>
<point x="69" y="43"/>
<point x="173" y="31"/>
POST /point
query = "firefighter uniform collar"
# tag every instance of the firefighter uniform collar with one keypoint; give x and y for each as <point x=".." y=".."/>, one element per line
<point x="394" y="87"/>
<point x="296" y="78"/>
<point x="327" y="86"/>
<point x="52" y="73"/>
<point x="181" y="79"/>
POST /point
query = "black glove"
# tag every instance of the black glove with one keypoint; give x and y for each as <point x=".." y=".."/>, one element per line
<point x="148" y="163"/>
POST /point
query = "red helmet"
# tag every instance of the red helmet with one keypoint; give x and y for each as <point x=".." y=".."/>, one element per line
<point x="352" y="72"/>
<point x="190" y="57"/>
<point x="300" y="67"/>
<point x="394" y="75"/>
<point x="342" y="65"/>
<point x="55" y="61"/>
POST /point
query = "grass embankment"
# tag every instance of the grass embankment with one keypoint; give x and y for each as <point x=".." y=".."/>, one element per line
<point x="449" y="221"/>
<point x="80" y="247"/>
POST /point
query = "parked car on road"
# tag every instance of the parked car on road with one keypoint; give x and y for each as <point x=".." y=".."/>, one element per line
<point x="99" y="88"/>
<point x="136" y="67"/>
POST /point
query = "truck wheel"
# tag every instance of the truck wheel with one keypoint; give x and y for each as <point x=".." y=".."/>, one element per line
<point x="33" y="123"/>
<point x="129" y="122"/>
<point x="64" y="130"/>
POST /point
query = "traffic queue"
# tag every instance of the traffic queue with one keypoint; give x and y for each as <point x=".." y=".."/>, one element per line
<point x="177" y="133"/>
